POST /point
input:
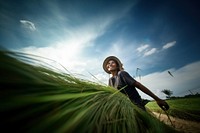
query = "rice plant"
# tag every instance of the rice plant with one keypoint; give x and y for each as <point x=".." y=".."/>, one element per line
<point x="38" y="99"/>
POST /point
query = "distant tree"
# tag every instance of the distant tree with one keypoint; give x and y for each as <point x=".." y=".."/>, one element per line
<point x="167" y="92"/>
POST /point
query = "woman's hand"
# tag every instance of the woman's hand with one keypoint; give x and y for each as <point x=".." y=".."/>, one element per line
<point x="163" y="105"/>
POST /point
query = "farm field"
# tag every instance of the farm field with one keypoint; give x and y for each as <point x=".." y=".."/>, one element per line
<point x="183" y="115"/>
<point x="184" y="108"/>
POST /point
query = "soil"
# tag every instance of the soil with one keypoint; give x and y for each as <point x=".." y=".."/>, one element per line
<point x="181" y="125"/>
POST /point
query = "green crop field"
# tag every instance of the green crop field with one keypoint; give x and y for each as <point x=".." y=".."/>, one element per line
<point x="184" y="108"/>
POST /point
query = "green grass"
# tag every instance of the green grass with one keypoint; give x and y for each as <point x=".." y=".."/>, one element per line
<point x="38" y="99"/>
<point x="184" y="108"/>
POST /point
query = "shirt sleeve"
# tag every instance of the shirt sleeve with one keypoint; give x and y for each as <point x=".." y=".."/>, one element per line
<point x="109" y="82"/>
<point x="127" y="78"/>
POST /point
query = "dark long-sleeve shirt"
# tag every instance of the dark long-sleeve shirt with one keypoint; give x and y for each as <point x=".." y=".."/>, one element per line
<point x="123" y="79"/>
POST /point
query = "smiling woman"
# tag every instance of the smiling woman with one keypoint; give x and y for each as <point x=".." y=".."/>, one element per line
<point x="122" y="81"/>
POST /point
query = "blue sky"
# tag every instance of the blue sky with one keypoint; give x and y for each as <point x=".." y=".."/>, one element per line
<point x="156" y="36"/>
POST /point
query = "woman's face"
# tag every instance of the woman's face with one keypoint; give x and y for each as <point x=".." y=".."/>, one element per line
<point x="111" y="65"/>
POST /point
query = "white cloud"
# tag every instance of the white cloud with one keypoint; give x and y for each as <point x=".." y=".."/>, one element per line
<point x="146" y="50"/>
<point x="142" y="48"/>
<point x="168" y="45"/>
<point x="28" y="24"/>
<point x="150" y="52"/>
<point x="185" y="79"/>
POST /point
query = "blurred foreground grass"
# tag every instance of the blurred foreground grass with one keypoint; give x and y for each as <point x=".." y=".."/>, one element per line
<point x="37" y="99"/>
<point x="184" y="108"/>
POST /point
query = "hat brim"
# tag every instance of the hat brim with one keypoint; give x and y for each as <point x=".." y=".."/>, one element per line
<point x="111" y="58"/>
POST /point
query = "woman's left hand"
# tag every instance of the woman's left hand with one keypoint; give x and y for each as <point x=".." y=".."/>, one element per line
<point x="163" y="105"/>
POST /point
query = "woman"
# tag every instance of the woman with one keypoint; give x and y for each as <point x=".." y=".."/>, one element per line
<point x="121" y="79"/>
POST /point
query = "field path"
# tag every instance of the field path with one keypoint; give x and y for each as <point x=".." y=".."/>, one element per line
<point x="184" y="126"/>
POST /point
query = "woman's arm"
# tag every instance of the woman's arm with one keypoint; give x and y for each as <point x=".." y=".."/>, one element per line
<point x="130" y="81"/>
<point x="159" y="101"/>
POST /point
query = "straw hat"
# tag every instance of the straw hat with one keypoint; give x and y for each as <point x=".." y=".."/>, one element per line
<point x="112" y="58"/>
